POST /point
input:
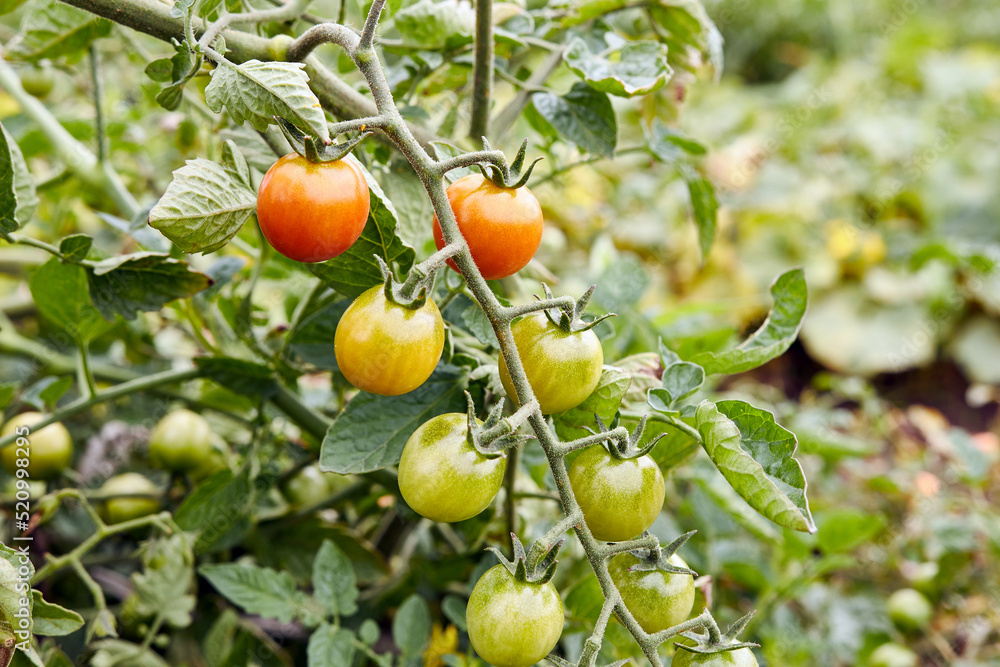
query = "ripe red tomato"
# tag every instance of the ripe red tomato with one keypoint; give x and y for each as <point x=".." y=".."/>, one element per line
<point x="442" y="476"/>
<point x="513" y="623"/>
<point x="503" y="226"/>
<point x="312" y="211"/>
<point x="387" y="349"/>
<point x="620" y="498"/>
<point x="658" y="600"/>
<point x="563" y="368"/>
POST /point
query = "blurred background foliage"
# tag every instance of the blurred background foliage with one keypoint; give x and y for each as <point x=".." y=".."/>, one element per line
<point x="858" y="139"/>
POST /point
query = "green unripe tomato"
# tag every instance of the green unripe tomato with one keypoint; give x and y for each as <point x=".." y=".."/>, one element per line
<point x="893" y="655"/>
<point x="741" y="657"/>
<point x="513" y="623"/>
<point x="181" y="441"/>
<point x="620" y="498"/>
<point x="910" y="610"/>
<point x="34" y="487"/>
<point x="37" y="80"/>
<point x="658" y="600"/>
<point x="118" y="510"/>
<point x="49" y="450"/>
<point x="563" y="368"/>
<point x="442" y="476"/>
<point x="307" y="487"/>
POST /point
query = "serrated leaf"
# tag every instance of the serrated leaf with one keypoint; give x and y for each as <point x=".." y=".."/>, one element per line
<point x="243" y="377"/>
<point x="18" y="199"/>
<point x="371" y="431"/>
<point x="50" y="619"/>
<point x="142" y="281"/>
<point x="52" y="29"/>
<point x="217" y="511"/>
<point x="119" y="653"/>
<point x="235" y="165"/>
<point x="164" y="585"/>
<point x="681" y="379"/>
<point x="74" y="248"/>
<point x="604" y="401"/>
<point x="637" y="68"/>
<point x="434" y="25"/>
<point x="60" y="292"/>
<point x="330" y="646"/>
<point x="412" y="626"/>
<point x="583" y="115"/>
<point x="334" y="582"/>
<point x="692" y="36"/>
<point x="355" y="270"/>
<point x="755" y="455"/>
<point x="258" y="91"/>
<point x="204" y="206"/>
<point x="257" y="590"/>
<point x="773" y="337"/>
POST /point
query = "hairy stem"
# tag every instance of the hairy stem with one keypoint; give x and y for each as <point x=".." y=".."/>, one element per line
<point x="482" y="75"/>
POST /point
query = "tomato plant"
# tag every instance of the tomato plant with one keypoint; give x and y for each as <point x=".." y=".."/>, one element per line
<point x="181" y="441"/>
<point x="49" y="450"/>
<point x="385" y="348"/>
<point x="658" y="600"/>
<point x="513" y="623"/>
<point x="441" y="474"/>
<point x="312" y="211"/>
<point x="118" y="510"/>
<point x="741" y="657"/>
<point x="620" y="498"/>
<point x="503" y="226"/>
<point x="563" y="367"/>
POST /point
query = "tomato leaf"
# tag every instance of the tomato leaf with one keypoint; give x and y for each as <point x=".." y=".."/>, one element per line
<point x="371" y="431"/>
<point x="637" y="68"/>
<point x="604" y="401"/>
<point x="164" y="585"/>
<point x="356" y="270"/>
<point x="432" y="25"/>
<point x="412" y="626"/>
<point x="755" y="455"/>
<point x="217" y="509"/>
<point x="330" y="646"/>
<point x="258" y="91"/>
<point x="242" y="377"/>
<point x="142" y="281"/>
<point x="257" y="590"/>
<point x="50" y="619"/>
<point x="583" y="115"/>
<point x="205" y="205"/>
<point x="693" y="37"/>
<point x="53" y="29"/>
<point x="18" y="200"/>
<point x="60" y="292"/>
<point x="705" y="207"/>
<point x="774" y="336"/>
<point x="334" y="581"/>
<point x="75" y="247"/>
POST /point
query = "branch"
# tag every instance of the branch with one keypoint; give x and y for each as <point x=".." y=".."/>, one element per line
<point x="371" y="22"/>
<point x="483" y="71"/>
<point x="324" y="33"/>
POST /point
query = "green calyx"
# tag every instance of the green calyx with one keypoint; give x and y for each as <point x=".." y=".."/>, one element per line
<point x="314" y="151"/>
<point x="571" y="321"/>
<point x="408" y="295"/>
<point x="537" y="566"/>
<point x="496" y="435"/>
<point x="716" y="642"/>
<point x="511" y="178"/>
<point x="626" y="448"/>
<point x="658" y="557"/>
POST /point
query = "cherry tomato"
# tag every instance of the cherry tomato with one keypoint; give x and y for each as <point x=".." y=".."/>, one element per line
<point x="893" y="655"/>
<point x="741" y="657"/>
<point x="513" y="623"/>
<point x="387" y="349"/>
<point x="658" y="600"/>
<point x="503" y="226"/>
<point x="125" y="509"/>
<point x="442" y="476"/>
<point x="563" y="368"/>
<point x="909" y="610"/>
<point x="307" y="487"/>
<point x="181" y="441"/>
<point x="37" y="80"/>
<point x="49" y="450"/>
<point x="620" y="498"/>
<point x="312" y="211"/>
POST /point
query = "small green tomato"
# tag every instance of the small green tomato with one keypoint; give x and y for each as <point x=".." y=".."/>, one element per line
<point x="442" y="476"/>
<point x="893" y="655"/>
<point x="910" y="610"/>
<point x="513" y="623"/>
<point x="741" y="657"/>
<point x="49" y="450"/>
<point x="181" y="441"/>
<point x="118" y="510"/>
<point x="658" y="600"/>
<point x="620" y="498"/>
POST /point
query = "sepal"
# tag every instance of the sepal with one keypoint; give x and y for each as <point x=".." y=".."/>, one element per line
<point x="322" y="151"/>
<point x="658" y="558"/>
<point x="537" y="566"/>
